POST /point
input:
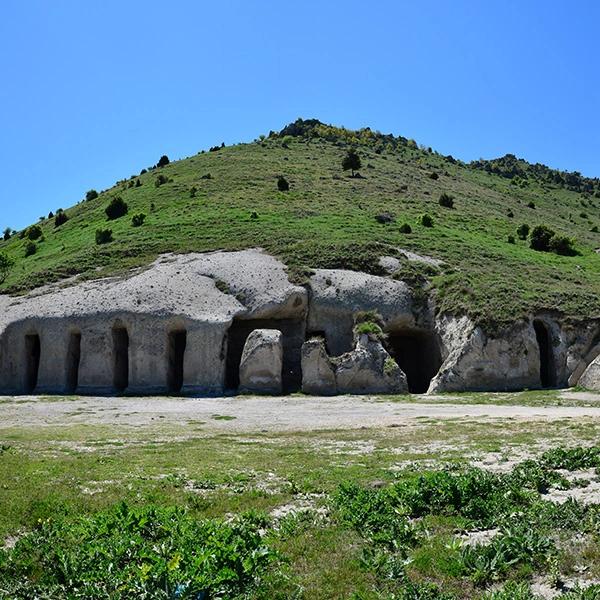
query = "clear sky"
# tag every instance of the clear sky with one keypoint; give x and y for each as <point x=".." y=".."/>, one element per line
<point x="92" y="91"/>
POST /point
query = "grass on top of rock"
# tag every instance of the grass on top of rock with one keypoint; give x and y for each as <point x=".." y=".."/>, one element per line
<point x="325" y="219"/>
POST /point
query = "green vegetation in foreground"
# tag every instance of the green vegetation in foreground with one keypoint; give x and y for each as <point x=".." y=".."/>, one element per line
<point x="115" y="512"/>
<point x="229" y="198"/>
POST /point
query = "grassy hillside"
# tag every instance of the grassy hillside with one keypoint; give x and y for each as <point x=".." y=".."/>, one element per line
<point x="327" y="219"/>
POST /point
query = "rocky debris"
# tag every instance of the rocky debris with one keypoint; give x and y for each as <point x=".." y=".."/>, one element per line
<point x="337" y="295"/>
<point x="392" y="263"/>
<point x="261" y="364"/>
<point x="318" y="373"/>
<point x="369" y="369"/>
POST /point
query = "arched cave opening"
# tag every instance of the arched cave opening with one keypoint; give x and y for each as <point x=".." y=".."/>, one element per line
<point x="547" y="363"/>
<point x="176" y="353"/>
<point x="32" y="361"/>
<point x="418" y="355"/>
<point x="73" y="360"/>
<point x="120" y="358"/>
<point x="293" y="332"/>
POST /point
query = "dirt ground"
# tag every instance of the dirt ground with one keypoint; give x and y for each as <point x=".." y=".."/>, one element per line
<point x="288" y="413"/>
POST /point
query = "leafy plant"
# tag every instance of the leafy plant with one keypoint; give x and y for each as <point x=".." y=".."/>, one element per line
<point x="351" y="162"/>
<point x="6" y="264"/>
<point x="116" y="209"/>
<point x="103" y="236"/>
<point x="138" y="220"/>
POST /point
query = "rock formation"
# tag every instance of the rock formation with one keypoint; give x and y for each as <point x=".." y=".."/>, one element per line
<point x="261" y="363"/>
<point x="187" y="325"/>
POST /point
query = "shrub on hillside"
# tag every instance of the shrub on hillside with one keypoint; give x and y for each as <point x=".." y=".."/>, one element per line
<point x="30" y="248"/>
<point x="6" y="264"/>
<point x="540" y="238"/>
<point x="103" y="236"/>
<point x="34" y="232"/>
<point x="405" y="228"/>
<point x="282" y="184"/>
<point x="531" y="205"/>
<point x="138" y="220"/>
<point x="446" y="200"/>
<point x="193" y="191"/>
<point x="7" y="234"/>
<point x="434" y="176"/>
<point x="161" y="180"/>
<point x="511" y="239"/>
<point x="523" y="231"/>
<point x="561" y="244"/>
<point x="138" y="183"/>
<point x="91" y="195"/>
<point x="117" y="208"/>
<point x="60" y="218"/>
<point x="163" y="161"/>
<point x="351" y="162"/>
<point x="426" y="220"/>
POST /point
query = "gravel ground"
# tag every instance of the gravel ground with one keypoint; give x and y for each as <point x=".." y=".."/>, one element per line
<point x="250" y="413"/>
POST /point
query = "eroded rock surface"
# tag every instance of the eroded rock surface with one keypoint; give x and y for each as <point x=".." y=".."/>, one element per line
<point x="318" y="372"/>
<point x="261" y="364"/>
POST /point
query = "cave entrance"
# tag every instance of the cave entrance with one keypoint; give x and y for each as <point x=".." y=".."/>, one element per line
<point x="73" y="360"/>
<point x="176" y="352"/>
<point x="418" y="355"/>
<point x="32" y="361"/>
<point x="121" y="358"/>
<point x="293" y="332"/>
<point x="547" y="364"/>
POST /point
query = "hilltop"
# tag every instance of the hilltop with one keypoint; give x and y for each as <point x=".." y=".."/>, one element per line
<point x="227" y="198"/>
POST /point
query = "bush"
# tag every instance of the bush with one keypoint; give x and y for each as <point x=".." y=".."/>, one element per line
<point x="6" y="264"/>
<point x="405" y="228"/>
<point x="510" y="214"/>
<point x="138" y="220"/>
<point x="91" y="195"/>
<point x="34" y="232"/>
<point x="385" y="217"/>
<point x="594" y="229"/>
<point x="60" y="218"/>
<point x="531" y="205"/>
<point x="7" y="234"/>
<point x="117" y="208"/>
<point x="540" y="238"/>
<point x="138" y="183"/>
<point x="206" y="176"/>
<point x="560" y="244"/>
<point x="160" y="180"/>
<point x="511" y="239"/>
<point x="30" y="248"/>
<point x="351" y="161"/>
<point x="523" y="231"/>
<point x="103" y="236"/>
<point x="282" y="184"/>
<point x="163" y="161"/>
<point x="446" y="200"/>
<point x="426" y="220"/>
<point x="193" y="191"/>
<point x="434" y="176"/>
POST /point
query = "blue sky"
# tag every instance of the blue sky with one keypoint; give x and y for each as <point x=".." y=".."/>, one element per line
<point x="93" y="91"/>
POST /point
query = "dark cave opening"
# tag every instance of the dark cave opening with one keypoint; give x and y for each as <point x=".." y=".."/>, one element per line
<point x="293" y="337"/>
<point x="32" y="361"/>
<point x="121" y="358"/>
<point x="176" y="353"/>
<point x="418" y="355"/>
<point x="547" y="363"/>
<point x="73" y="360"/>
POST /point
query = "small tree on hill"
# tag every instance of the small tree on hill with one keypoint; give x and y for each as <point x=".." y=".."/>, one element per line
<point x="282" y="184"/>
<point x="540" y="238"/>
<point x="351" y="161"/>
<point x="91" y="195"/>
<point x="60" y="218"/>
<point x="446" y="200"/>
<point x="7" y="234"/>
<point x="523" y="231"/>
<point x="117" y="208"/>
<point x="163" y="161"/>
<point x="6" y="264"/>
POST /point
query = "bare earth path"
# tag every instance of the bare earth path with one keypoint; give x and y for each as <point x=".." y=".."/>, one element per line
<point x="291" y="413"/>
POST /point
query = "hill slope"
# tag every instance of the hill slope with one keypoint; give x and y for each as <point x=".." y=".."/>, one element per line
<point x="327" y="219"/>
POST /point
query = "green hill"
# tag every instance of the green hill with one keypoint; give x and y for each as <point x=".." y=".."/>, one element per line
<point x="228" y="198"/>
